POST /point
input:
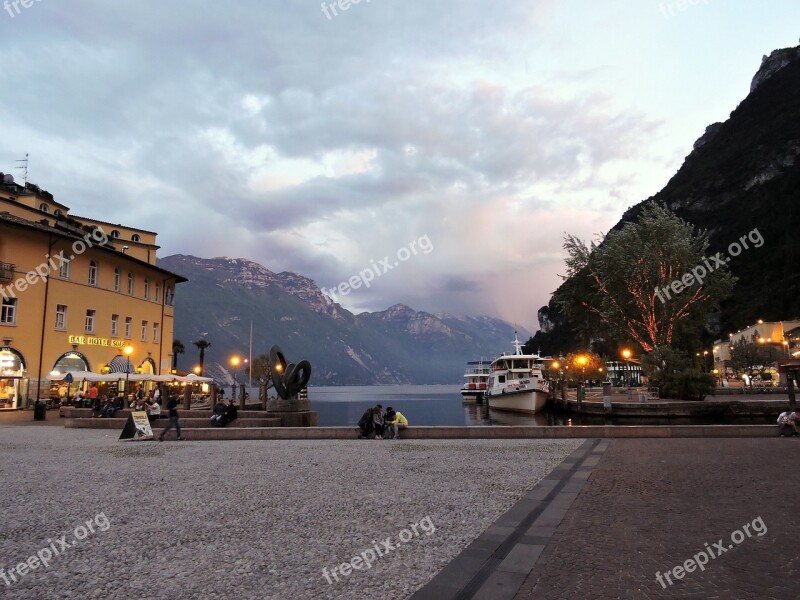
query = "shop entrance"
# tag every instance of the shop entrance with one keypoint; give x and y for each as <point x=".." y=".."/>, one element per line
<point x="13" y="380"/>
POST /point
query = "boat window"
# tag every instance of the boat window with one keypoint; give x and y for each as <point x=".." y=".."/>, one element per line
<point x="501" y="379"/>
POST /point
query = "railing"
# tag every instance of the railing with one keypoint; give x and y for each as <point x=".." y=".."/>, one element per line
<point x="6" y="271"/>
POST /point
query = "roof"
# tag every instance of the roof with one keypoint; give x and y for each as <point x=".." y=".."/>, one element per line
<point x="15" y="221"/>
<point x="74" y="216"/>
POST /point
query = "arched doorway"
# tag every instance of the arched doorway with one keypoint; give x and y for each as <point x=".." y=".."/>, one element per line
<point x="71" y="361"/>
<point x="13" y="379"/>
<point x="148" y="367"/>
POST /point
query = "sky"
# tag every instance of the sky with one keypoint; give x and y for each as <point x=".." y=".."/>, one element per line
<point x="458" y="139"/>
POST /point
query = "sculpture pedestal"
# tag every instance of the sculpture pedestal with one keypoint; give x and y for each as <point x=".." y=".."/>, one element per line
<point x="292" y="412"/>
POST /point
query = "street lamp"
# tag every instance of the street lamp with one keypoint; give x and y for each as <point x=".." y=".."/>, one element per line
<point x="197" y="370"/>
<point x="235" y="363"/>
<point x="705" y="361"/>
<point x="582" y="360"/>
<point x="555" y="365"/>
<point x="626" y="354"/>
<point x="128" y="352"/>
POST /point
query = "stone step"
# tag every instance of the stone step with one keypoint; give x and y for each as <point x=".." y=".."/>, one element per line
<point x="191" y="423"/>
<point x="79" y="413"/>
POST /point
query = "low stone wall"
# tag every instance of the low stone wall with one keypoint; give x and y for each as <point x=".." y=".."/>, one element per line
<point x="490" y="432"/>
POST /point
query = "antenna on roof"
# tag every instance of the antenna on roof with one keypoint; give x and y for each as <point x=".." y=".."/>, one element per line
<point x="24" y="168"/>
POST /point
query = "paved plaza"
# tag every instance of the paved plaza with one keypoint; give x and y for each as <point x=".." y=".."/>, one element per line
<point x="618" y="515"/>
<point x="248" y="519"/>
<point x="483" y="519"/>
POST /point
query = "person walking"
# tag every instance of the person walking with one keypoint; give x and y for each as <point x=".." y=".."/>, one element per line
<point x="172" y="406"/>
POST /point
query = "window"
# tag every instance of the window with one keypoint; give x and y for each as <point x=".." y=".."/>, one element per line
<point x="114" y="233"/>
<point x="147" y="289"/>
<point x="144" y="331"/>
<point x="63" y="272"/>
<point x="130" y="284"/>
<point x="44" y="208"/>
<point x="57" y="212"/>
<point x="114" y="325"/>
<point x="128" y="326"/>
<point x="156" y="332"/>
<point x="117" y="279"/>
<point x="92" y="273"/>
<point x="8" y="316"/>
<point x="158" y="292"/>
<point x="61" y="316"/>
<point x="169" y="296"/>
<point x="135" y="237"/>
<point x="90" y="314"/>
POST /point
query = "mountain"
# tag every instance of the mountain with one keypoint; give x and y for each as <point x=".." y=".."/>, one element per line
<point x="398" y="345"/>
<point x="741" y="175"/>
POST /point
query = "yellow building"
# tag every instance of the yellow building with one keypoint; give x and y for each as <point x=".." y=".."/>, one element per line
<point x="75" y="292"/>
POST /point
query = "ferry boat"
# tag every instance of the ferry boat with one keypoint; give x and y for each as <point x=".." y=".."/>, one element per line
<point x="517" y="382"/>
<point x="476" y="375"/>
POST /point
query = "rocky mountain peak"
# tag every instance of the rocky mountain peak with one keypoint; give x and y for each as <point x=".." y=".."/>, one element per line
<point x="773" y="63"/>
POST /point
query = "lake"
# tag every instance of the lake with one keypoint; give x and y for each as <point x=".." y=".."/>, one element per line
<point x="442" y="405"/>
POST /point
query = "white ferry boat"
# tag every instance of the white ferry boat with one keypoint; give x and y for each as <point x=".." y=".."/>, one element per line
<point x="517" y="382"/>
<point x="476" y="375"/>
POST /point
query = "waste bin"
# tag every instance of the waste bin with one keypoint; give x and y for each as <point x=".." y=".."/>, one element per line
<point x="39" y="410"/>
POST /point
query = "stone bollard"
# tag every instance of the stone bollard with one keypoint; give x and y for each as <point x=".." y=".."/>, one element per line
<point x="607" y="398"/>
<point x="187" y="396"/>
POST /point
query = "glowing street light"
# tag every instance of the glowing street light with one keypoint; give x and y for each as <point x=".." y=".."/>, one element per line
<point x="626" y="354"/>
<point x="235" y="361"/>
<point x="128" y="352"/>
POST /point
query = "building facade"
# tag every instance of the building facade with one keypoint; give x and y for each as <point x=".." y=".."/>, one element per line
<point x="782" y="335"/>
<point x="76" y="292"/>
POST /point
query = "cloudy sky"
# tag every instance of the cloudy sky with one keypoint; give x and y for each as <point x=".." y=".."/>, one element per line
<point x="320" y="143"/>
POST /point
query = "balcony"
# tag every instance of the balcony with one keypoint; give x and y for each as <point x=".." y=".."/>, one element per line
<point x="6" y="272"/>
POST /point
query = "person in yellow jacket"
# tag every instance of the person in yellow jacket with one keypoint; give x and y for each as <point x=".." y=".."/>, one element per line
<point x="396" y="421"/>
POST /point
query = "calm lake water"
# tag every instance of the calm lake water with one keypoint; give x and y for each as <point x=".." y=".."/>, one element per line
<point x="442" y="405"/>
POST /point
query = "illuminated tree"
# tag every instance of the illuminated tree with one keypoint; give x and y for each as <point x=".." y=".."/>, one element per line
<point x="644" y="281"/>
<point x="584" y="365"/>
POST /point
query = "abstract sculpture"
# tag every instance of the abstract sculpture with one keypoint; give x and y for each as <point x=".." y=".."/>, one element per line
<point x="290" y="378"/>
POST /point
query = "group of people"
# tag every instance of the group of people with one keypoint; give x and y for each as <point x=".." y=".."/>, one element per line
<point x="103" y="406"/>
<point x="374" y="423"/>
<point x="224" y="414"/>
<point x="787" y="423"/>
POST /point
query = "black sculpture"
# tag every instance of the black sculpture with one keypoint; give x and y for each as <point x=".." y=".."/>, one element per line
<point x="290" y="378"/>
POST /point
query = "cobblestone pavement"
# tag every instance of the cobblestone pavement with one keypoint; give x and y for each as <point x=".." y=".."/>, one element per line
<point x="206" y="520"/>
<point x="652" y="504"/>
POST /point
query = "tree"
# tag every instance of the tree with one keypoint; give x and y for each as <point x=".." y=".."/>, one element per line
<point x="260" y="370"/>
<point x="645" y="281"/>
<point x="752" y="358"/>
<point x="580" y="366"/>
<point x="669" y="370"/>
<point x="177" y="348"/>
<point x="202" y="345"/>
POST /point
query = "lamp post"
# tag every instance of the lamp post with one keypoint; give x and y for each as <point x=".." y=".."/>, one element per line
<point x="128" y="352"/>
<point x="626" y="354"/>
<point x="235" y="363"/>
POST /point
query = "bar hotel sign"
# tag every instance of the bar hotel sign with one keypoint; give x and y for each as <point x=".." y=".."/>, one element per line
<point x="95" y="341"/>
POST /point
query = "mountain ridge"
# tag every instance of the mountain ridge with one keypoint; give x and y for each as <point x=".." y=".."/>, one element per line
<point x="396" y="345"/>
